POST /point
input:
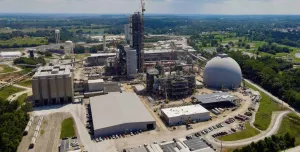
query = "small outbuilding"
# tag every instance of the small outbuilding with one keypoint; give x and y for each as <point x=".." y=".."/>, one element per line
<point x="185" y="114"/>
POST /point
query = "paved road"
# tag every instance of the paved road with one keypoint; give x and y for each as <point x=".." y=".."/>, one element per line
<point x="16" y="95"/>
<point x="272" y="129"/>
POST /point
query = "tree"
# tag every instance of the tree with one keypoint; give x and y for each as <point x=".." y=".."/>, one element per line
<point x="247" y="46"/>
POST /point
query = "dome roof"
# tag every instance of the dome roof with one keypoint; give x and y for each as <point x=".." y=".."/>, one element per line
<point x="222" y="71"/>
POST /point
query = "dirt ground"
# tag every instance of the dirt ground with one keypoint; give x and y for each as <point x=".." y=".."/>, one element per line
<point x="49" y="135"/>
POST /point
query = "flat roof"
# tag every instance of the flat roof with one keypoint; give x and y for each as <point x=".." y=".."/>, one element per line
<point x="184" y="110"/>
<point x="196" y="144"/>
<point x="95" y="81"/>
<point x="102" y="54"/>
<point x="53" y="70"/>
<point x="215" y="97"/>
<point x="118" y="108"/>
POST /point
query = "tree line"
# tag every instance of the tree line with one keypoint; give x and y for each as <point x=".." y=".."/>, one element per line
<point x="270" y="144"/>
<point x="30" y="61"/>
<point x="273" y="49"/>
<point x="13" y="123"/>
<point x="275" y="75"/>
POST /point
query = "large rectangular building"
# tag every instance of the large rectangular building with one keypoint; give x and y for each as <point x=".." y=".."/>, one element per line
<point x="185" y="114"/>
<point x="119" y="113"/>
<point x="215" y="100"/>
<point x="53" y="85"/>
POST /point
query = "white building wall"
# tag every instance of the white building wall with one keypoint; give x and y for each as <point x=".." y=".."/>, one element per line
<point x="183" y="118"/>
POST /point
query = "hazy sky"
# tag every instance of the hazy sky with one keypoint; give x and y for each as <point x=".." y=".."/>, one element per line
<point x="152" y="6"/>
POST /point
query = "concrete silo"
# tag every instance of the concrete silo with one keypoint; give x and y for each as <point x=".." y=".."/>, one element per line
<point x="53" y="85"/>
<point x="36" y="91"/>
<point x="53" y="91"/>
<point x="60" y="89"/>
<point x="45" y="90"/>
<point x="69" y="88"/>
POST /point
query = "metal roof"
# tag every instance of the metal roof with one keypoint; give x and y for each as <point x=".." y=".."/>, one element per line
<point x="215" y="97"/>
<point x="184" y="110"/>
<point x="196" y="144"/>
<point x="118" y="108"/>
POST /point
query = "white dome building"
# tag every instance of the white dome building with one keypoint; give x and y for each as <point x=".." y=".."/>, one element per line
<point x="222" y="71"/>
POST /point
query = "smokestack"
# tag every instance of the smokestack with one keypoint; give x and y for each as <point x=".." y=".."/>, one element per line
<point x="104" y="42"/>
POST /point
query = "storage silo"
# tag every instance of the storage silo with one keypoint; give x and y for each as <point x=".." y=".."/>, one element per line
<point x="45" y="91"/>
<point x="53" y="93"/>
<point x="69" y="88"/>
<point x="36" y="91"/>
<point x="60" y="89"/>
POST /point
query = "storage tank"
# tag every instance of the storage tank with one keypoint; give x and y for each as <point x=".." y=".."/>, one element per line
<point x="60" y="89"/>
<point x="69" y="88"/>
<point x="53" y="91"/>
<point x="222" y="72"/>
<point x="45" y="90"/>
<point x="36" y="89"/>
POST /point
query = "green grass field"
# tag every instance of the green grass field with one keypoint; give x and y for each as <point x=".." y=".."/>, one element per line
<point x="291" y="124"/>
<point x="264" y="113"/>
<point x="67" y="128"/>
<point x="247" y="133"/>
<point x="7" y="91"/>
<point x="6" y="69"/>
<point x="21" y="99"/>
<point x="25" y="40"/>
<point x="25" y="83"/>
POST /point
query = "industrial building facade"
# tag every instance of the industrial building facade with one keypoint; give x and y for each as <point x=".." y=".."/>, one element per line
<point x="185" y="114"/>
<point x="53" y="85"/>
<point x="119" y="113"/>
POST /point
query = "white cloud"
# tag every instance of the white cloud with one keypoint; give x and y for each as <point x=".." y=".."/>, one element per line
<point x="153" y="6"/>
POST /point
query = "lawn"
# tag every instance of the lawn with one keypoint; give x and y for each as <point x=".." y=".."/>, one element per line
<point x="25" y="40"/>
<point x="67" y="128"/>
<point x="7" y="91"/>
<point x="264" y="114"/>
<point x="291" y="124"/>
<point x="25" y="83"/>
<point x="21" y="99"/>
<point x="247" y="133"/>
<point x="6" y="69"/>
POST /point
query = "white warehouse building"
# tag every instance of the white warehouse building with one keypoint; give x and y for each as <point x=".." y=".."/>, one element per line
<point x="181" y="115"/>
<point x="119" y="113"/>
<point x="14" y="54"/>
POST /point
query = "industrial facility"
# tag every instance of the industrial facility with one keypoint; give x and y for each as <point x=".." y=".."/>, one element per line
<point x="185" y="114"/>
<point x="53" y="85"/>
<point x="113" y="114"/>
<point x="221" y="99"/>
<point x="175" y="85"/>
<point x="222" y="72"/>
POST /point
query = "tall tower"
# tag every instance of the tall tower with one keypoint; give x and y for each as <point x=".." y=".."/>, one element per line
<point x="104" y="42"/>
<point x="57" y="36"/>
<point x="136" y="29"/>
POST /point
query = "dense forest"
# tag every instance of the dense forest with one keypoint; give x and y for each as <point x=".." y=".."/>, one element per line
<point x="275" y="75"/>
<point x="270" y="144"/>
<point x="13" y="123"/>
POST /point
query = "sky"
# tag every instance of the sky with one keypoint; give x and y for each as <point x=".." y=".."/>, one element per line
<point x="229" y="7"/>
